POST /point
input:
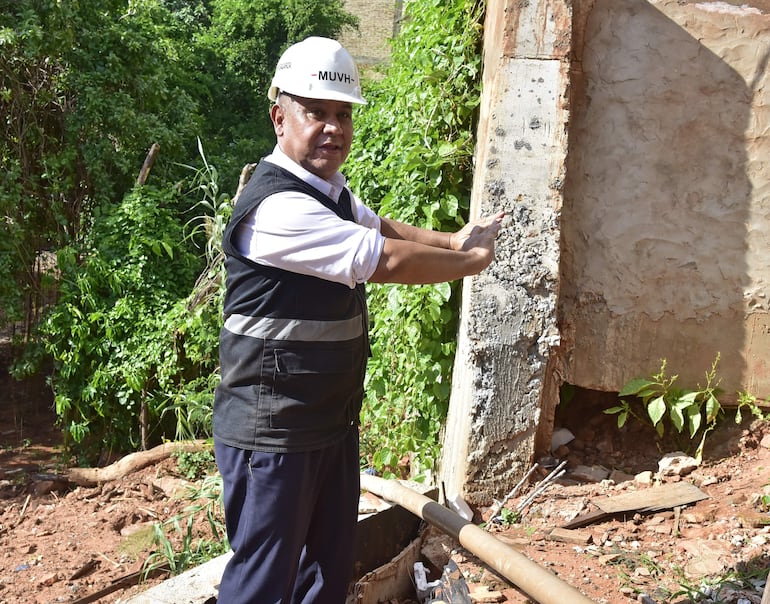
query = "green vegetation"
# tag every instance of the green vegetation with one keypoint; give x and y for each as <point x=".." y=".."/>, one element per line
<point x="184" y="541"/>
<point x="657" y="402"/>
<point x="412" y="161"/>
<point x="85" y="91"/>
<point x="133" y="332"/>
<point x="196" y="464"/>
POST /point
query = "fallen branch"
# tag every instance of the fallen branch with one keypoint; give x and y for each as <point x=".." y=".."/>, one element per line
<point x="148" y="163"/>
<point x="89" y="477"/>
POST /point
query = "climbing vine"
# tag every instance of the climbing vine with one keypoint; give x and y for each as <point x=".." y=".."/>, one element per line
<point x="412" y="161"/>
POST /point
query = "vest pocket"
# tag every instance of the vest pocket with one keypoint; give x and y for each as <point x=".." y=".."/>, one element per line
<point x="313" y="386"/>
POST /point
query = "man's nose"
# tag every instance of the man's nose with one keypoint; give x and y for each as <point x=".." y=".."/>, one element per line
<point x="333" y="124"/>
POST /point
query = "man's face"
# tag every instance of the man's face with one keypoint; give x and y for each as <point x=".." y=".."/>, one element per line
<point x="315" y="133"/>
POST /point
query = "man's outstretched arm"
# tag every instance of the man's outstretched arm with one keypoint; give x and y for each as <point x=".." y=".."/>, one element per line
<point x="413" y="255"/>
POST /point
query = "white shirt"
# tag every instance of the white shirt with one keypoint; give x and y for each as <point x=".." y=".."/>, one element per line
<point x="294" y="232"/>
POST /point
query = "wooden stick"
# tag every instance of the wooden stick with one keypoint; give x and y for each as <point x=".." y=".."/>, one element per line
<point x="148" y="163"/>
<point x="132" y="462"/>
<point x="23" y="508"/>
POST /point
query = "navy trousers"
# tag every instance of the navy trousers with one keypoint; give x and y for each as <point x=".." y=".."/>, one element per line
<point x="291" y="520"/>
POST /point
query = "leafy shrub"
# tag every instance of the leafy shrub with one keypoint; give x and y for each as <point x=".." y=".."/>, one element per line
<point x="196" y="464"/>
<point x="118" y="324"/>
<point x="693" y="413"/>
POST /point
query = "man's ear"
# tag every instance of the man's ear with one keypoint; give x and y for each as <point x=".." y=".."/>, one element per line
<point x="276" y="116"/>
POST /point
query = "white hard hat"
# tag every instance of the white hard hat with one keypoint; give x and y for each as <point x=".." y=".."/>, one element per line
<point x="317" y="68"/>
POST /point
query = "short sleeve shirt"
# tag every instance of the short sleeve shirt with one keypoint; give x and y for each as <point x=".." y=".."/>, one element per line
<point x="294" y="232"/>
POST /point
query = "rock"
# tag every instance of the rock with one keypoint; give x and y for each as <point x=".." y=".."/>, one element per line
<point x="677" y="464"/>
<point x="617" y="477"/>
<point x="482" y="595"/>
<point x="49" y="579"/>
<point x="752" y="519"/>
<point x="172" y="487"/>
<point x="707" y="558"/>
<point x="135" y="528"/>
<point x="643" y="477"/>
<point x="590" y="474"/>
<point x="570" y="536"/>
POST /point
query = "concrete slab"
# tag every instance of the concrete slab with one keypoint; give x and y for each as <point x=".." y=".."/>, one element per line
<point x="196" y="586"/>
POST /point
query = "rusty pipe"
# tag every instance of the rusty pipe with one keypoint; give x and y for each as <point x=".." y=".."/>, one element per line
<point x="538" y="582"/>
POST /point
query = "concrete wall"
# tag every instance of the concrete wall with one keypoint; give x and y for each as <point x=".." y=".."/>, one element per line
<point x="629" y="142"/>
<point x="508" y="323"/>
<point x="666" y="214"/>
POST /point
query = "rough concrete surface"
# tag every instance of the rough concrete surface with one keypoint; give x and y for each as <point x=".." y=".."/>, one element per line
<point x="667" y="205"/>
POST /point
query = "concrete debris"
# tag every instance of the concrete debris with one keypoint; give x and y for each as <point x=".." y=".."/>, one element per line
<point x="644" y="478"/>
<point x="590" y="473"/>
<point x="677" y="464"/>
<point x="481" y="594"/>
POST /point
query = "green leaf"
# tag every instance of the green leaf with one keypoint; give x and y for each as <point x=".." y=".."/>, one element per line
<point x="635" y="386"/>
<point x="446" y="149"/>
<point x="622" y="417"/>
<point x="656" y="409"/>
<point x="694" y="419"/>
<point x="677" y="417"/>
<point x="713" y="407"/>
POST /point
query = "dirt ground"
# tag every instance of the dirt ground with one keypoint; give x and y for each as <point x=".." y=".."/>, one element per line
<point x="62" y="543"/>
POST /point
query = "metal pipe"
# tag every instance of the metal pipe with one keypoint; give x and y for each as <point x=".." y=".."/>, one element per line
<point x="538" y="582"/>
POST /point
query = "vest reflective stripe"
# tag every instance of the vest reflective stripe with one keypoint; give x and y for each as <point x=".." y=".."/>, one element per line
<point x="302" y="330"/>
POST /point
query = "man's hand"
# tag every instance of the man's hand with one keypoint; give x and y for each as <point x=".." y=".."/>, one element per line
<point x="479" y="233"/>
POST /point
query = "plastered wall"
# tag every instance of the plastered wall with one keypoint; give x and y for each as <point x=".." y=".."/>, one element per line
<point x="666" y="217"/>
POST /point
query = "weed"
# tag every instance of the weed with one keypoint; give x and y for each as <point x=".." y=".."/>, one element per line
<point x="723" y="588"/>
<point x="192" y="551"/>
<point x="751" y="404"/>
<point x="692" y="411"/>
<point x="509" y="517"/>
<point x="195" y="464"/>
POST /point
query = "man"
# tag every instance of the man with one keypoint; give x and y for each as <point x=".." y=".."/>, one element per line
<point x="299" y="249"/>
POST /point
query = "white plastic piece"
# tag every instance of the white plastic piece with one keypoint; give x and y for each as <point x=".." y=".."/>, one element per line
<point x="560" y="437"/>
<point x="458" y="505"/>
<point x="421" y="584"/>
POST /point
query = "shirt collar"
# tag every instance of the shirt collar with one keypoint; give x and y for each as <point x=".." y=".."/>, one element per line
<point x="331" y="188"/>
